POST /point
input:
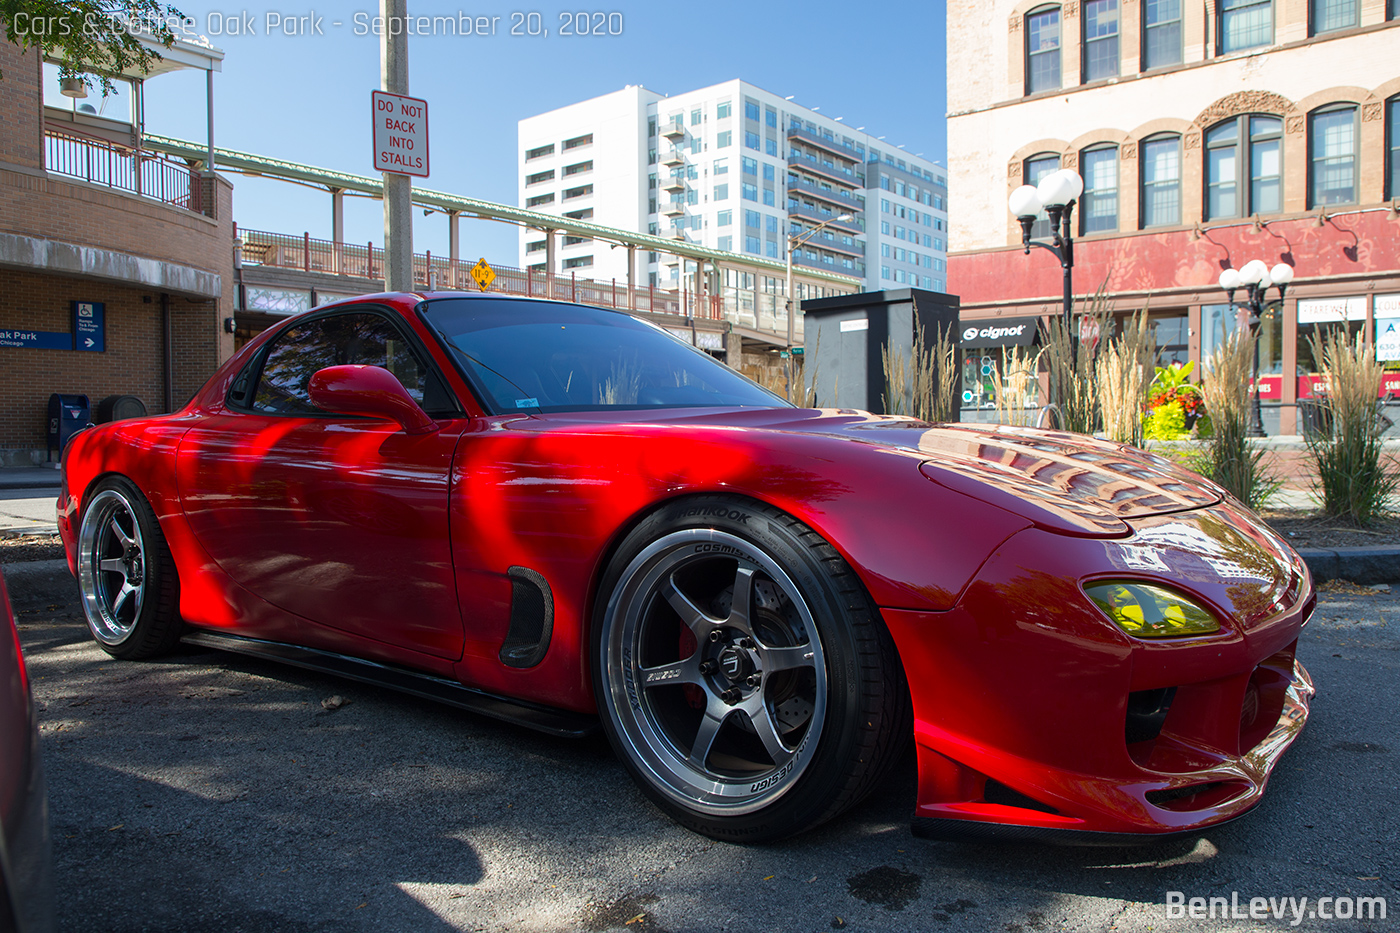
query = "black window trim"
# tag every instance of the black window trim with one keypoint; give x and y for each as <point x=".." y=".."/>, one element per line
<point x="254" y="366"/>
<point x="1026" y="46"/>
<point x="1335" y="107"/>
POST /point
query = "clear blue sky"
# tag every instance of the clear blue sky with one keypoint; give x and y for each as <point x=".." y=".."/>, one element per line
<point x="306" y="98"/>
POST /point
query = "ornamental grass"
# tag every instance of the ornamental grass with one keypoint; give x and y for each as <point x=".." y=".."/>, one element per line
<point x="1352" y="481"/>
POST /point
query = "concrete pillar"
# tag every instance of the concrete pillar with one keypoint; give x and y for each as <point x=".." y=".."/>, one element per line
<point x="454" y="243"/>
<point x="549" y="263"/>
<point x="337" y="228"/>
<point x="631" y="277"/>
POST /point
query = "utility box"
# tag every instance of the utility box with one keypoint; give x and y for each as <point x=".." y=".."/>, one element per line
<point x="846" y="339"/>
<point x="68" y="414"/>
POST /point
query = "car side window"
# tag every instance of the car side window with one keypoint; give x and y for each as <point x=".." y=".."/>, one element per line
<point x="355" y="337"/>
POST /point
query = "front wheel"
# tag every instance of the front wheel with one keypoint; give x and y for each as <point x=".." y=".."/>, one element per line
<point x="126" y="576"/>
<point x="742" y="674"/>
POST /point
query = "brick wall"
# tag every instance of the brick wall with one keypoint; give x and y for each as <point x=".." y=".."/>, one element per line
<point x="21" y="107"/>
<point x="131" y="365"/>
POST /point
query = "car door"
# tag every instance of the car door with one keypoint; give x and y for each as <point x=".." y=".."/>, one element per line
<point x="339" y="519"/>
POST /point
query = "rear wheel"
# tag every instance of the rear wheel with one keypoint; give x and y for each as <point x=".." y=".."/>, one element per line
<point x="125" y="573"/>
<point x="742" y="673"/>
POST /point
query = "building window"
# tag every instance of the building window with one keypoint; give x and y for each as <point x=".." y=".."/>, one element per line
<point x="1245" y="24"/>
<point x="770" y="146"/>
<point x="1331" y="15"/>
<point x="584" y="214"/>
<point x="1161" y="41"/>
<point x="578" y="262"/>
<point x="721" y="167"/>
<point x="751" y="110"/>
<point x="750" y="166"/>
<point x="1098" y="208"/>
<point x="539" y="152"/>
<point x="578" y="168"/>
<point x="768" y="197"/>
<point x="749" y="191"/>
<point x="770" y="116"/>
<point x="1161" y="181"/>
<point x="754" y="245"/>
<point x="1392" y="188"/>
<point x="722" y="110"/>
<point x="585" y="140"/>
<point x="753" y="219"/>
<point x="723" y="139"/>
<point x="751" y="141"/>
<point x="1255" y="141"/>
<point x="1100" y="39"/>
<point x="724" y="218"/>
<point x="539" y="177"/>
<point x="1043" y="50"/>
<point x="1332" y="153"/>
<point x="725" y="243"/>
<point x="695" y="118"/>
<point x="579" y="192"/>
<point x="539" y="199"/>
<point x="722" y="192"/>
<point x="1037" y="167"/>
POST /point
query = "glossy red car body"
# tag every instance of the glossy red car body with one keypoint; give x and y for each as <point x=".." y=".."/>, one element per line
<point x="360" y="538"/>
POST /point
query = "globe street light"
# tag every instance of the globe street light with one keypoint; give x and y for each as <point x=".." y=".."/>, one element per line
<point x="1258" y="278"/>
<point x="793" y="241"/>
<point x="1056" y="195"/>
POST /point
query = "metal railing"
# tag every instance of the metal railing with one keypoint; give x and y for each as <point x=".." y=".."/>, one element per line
<point x="148" y="174"/>
<point x="744" y="307"/>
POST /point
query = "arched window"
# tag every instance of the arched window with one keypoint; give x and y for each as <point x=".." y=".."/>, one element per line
<point x="1332" y="135"/>
<point x="1244" y="167"/>
<point x="1043" y="49"/>
<point x="1331" y="15"/>
<point x="1100" y="23"/>
<point x="1036" y="168"/>
<point x="1161" y="33"/>
<point x="1098" y="208"/>
<point x="1160" y="174"/>
<point x="1244" y="24"/>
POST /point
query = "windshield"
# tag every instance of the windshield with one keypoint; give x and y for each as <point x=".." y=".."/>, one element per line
<point x="546" y="356"/>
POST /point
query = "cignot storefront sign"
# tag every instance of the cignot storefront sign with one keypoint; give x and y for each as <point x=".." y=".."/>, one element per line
<point x="1000" y="332"/>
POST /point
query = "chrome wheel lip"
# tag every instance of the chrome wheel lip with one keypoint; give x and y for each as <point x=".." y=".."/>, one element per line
<point x="630" y="712"/>
<point x="105" y="596"/>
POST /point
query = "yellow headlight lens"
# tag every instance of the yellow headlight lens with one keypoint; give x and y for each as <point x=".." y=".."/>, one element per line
<point x="1147" y="611"/>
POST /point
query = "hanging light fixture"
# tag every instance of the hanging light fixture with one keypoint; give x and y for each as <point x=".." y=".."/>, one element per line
<point x="75" y="88"/>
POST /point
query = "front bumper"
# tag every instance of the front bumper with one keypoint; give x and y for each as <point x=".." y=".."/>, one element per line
<point x="1036" y="717"/>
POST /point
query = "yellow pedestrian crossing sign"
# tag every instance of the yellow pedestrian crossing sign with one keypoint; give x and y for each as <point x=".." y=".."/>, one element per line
<point x="483" y="274"/>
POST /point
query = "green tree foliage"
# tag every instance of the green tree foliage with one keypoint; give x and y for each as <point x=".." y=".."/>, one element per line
<point x="93" y="38"/>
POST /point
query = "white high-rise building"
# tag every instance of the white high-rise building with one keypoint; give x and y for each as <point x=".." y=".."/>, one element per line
<point x="736" y="168"/>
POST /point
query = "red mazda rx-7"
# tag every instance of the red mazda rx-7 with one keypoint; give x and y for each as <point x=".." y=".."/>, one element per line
<point x="564" y="517"/>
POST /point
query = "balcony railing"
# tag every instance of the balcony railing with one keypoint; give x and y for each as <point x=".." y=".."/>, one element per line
<point x="830" y="145"/>
<point x="830" y="195"/>
<point x="833" y="172"/>
<point x="744" y="307"/>
<point x="135" y="171"/>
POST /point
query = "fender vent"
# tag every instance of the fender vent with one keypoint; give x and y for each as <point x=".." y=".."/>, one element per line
<point x="531" y="619"/>
<point x="999" y="793"/>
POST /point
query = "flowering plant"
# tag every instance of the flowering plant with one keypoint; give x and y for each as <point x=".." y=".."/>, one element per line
<point x="1173" y="403"/>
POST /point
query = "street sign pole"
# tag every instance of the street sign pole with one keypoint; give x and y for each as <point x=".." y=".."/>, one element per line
<point x="398" y="189"/>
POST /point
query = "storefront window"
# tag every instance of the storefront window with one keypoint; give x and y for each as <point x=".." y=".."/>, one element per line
<point x="1317" y="317"/>
<point x="1170" y="333"/>
<point x="1218" y="322"/>
<point x="1387" y="342"/>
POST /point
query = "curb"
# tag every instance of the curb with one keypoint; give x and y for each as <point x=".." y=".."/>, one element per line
<point x="1362" y="565"/>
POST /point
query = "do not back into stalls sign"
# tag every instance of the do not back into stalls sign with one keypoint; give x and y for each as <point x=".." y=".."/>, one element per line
<point x="400" y="134"/>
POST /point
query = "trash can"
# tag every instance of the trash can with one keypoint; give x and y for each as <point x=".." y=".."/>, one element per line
<point x="68" y="414"/>
<point x="1316" y="417"/>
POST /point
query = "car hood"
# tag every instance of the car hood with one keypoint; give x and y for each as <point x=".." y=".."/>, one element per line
<point x="1071" y="483"/>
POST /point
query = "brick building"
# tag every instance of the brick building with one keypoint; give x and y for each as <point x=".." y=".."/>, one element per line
<point x="87" y="217"/>
<point x="1208" y="135"/>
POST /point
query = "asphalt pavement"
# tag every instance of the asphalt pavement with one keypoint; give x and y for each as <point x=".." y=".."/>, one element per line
<point x="211" y="792"/>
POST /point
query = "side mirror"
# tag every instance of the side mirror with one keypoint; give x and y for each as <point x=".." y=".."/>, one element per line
<point x="371" y="391"/>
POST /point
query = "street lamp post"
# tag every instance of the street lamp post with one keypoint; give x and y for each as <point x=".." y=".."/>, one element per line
<point x="1258" y="278"/>
<point x="1056" y="195"/>
<point x="794" y="241"/>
